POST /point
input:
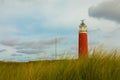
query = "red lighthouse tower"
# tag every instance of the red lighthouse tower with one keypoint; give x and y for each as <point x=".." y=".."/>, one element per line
<point x="83" y="40"/>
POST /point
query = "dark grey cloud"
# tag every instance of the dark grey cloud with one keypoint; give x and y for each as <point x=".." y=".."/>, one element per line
<point x="32" y="47"/>
<point x="16" y="54"/>
<point x="10" y="42"/>
<point x="30" y="51"/>
<point x="3" y="50"/>
<point x="108" y="10"/>
<point x="32" y="43"/>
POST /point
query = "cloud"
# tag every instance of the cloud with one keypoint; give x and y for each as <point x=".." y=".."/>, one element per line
<point x="53" y="41"/>
<point x="113" y="34"/>
<point x="54" y="12"/>
<point x="98" y="37"/>
<point x="107" y="10"/>
<point x="112" y="38"/>
<point x="30" y="51"/>
<point x="32" y="43"/>
<point x="2" y="50"/>
<point x="32" y="47"/>
<point x="6" y="30"/>
<point x="16" y="54"/>
<point x="10" y="42"/>
<point x="19" y="18"/>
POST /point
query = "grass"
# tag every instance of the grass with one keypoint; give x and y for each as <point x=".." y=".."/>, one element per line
<point x="101" y="65"/>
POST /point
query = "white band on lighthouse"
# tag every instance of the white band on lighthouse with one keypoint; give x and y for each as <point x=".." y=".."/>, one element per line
<point x="83" y="32"/>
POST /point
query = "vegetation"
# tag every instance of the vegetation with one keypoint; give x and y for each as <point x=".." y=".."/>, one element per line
<point x="101" y="65"/>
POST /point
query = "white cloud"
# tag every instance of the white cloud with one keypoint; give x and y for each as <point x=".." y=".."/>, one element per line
<point x="109" y="39"/>
<point x="46" y="13"/>
<point x="107" y="10"/>
<point x="60" y="12"/>
<point x="112" y="39"/>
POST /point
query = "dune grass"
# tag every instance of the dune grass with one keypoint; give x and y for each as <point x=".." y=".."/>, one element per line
<point x="101" y="65"/>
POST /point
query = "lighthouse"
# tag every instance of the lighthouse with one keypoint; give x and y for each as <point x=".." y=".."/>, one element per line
<point x="82" y="40"/>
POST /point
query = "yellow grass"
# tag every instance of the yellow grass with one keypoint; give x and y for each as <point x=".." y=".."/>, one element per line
<point x="101" y="65"/>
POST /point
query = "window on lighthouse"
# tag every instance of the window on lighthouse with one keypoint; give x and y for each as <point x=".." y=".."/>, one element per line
<point x="83" y="28"/>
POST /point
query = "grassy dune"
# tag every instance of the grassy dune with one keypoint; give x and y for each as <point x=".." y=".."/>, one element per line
<point x="101" y="65"/>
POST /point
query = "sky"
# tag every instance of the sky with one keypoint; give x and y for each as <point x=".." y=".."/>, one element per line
<point x="48" y="29"/>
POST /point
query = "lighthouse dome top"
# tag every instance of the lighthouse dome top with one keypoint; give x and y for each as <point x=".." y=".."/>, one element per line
<point x="82" y="22"/>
